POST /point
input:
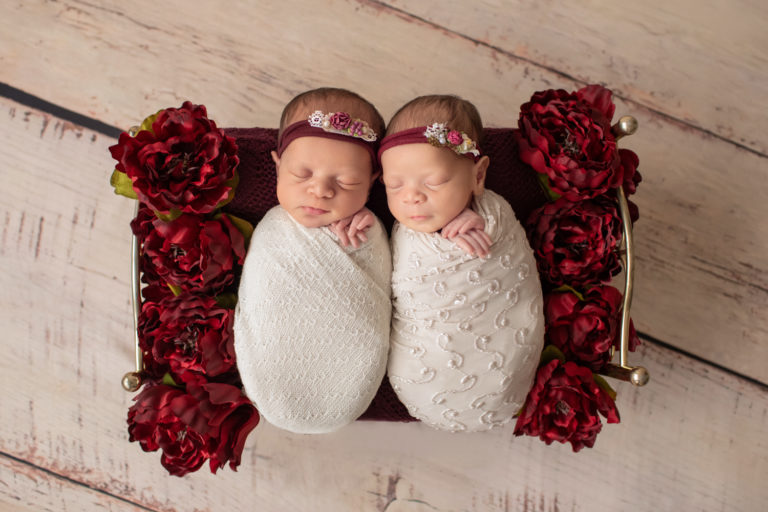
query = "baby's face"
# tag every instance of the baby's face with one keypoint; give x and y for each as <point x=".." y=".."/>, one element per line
<point x="427" y="186"/>
<point x="321" y="180"/>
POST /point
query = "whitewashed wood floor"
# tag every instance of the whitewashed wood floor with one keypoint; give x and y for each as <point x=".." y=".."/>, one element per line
<point x="694" y="74"/>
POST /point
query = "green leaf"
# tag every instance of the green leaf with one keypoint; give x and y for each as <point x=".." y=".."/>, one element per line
<point x="566" y="288"/>
<point x="168" y="381"/>
<point x="122" y="184"/>
<point x="232" y="183"/>
<point x="172" y="215"/>
<point x="146" y="124"/>
<point x="243" y="226"/>
<point x="549" y="353"/>
<point x="603" y="384"/>
<point x="544" y="180"/>
<point x="175" y="289"/>
<point x="227" y="300"/>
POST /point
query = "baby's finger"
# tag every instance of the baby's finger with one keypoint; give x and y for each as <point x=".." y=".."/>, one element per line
<point x="481" y="242"/>
<point x="464" y="244"/>
<point x="343" y="238"/>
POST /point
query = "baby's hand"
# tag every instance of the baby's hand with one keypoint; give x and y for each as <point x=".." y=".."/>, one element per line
<point x="466" y="231"/>
<point x="351" y="230"/>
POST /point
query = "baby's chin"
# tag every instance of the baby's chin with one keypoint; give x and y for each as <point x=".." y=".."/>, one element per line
<point x="425" y="225"/>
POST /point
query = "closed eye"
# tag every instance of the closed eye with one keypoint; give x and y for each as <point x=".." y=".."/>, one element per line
<point x="348" y="184"/>
<point x="301" y="174"/>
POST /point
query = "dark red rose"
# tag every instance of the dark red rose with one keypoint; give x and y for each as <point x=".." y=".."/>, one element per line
<point x="195" y="253"/>
<point x="208" y="422"/>
<point x="184" y="163"/>
<point x="340" y="120"/>
<point x="188" y="333"/>
<point x="576" y="243"/>
<point x="629" y="162"/>
<point x="567" y="137"/>
<point x="564" y="405"/>
<point x="584" y="330"/>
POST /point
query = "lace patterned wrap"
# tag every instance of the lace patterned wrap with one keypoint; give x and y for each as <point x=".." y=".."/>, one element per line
<point x="466" y="332"/>
<point x="312" y="324"/>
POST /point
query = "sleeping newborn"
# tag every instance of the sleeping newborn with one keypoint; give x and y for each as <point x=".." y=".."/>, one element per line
<point x="313" y="316"/>
<point x="467" y="324"/>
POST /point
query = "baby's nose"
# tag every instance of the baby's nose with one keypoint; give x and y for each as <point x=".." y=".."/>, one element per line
<point x="321" y="188"/>
<point x="414" y="195"/>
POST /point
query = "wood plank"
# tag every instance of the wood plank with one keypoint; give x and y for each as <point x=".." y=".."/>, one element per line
<point x="703" y="63"/>
<point x="24" y="488"/>
<point x="702" y="266"/>
<point x="682" y="442"/>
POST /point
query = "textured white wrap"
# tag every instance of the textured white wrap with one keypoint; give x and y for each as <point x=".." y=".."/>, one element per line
<point x="467" y="332"/>
<point x="312" y="324"/>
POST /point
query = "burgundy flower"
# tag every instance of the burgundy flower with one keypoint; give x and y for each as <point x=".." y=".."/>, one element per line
<point x="567" y="137"/>
<point x="564" y="405"/>
<point x="576" y="243"/>
<point x="184" y="163"/>
<point x="188" y="333"/>
<point x="340" y="120"/>
<point x="207" y="422"/>
<point x="455" y="138"/>
<point x="195" y="253"/>
<point x="629" y="163"/>
<point x="584" y="330"/>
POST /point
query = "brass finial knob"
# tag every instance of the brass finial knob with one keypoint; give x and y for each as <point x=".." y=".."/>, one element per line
<point x="639" y="376"/>
<point x="131" y="381"/>
<point x="627" y="125"/>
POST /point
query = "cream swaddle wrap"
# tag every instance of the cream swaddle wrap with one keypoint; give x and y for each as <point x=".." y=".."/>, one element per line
<point x="467" y="332"/>
<point x="312" y="323"/>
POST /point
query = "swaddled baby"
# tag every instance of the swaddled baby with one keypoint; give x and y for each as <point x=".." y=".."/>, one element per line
<point x="312" y="322"/>
<point x="467" y="324"/>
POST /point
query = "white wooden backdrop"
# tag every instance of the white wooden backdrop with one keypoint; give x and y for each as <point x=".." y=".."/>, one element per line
<point x="696" y="77"/>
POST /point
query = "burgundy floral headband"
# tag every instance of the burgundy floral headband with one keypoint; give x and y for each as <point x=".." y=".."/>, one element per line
<point x="333" y="125"/>
<point x="436" y="134"/>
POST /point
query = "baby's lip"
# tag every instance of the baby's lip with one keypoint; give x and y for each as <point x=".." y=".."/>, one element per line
<point x="418" y="217"/>
<point x="311" y="210"/>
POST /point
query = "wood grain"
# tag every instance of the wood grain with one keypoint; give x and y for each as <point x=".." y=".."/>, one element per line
<point x="702" y="63"/>
<point x="24" y="488"/>
<point x="682" y="443"/>
<point x="701" y="240"/>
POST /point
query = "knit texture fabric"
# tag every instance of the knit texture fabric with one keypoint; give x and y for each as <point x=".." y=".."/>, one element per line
<point x="312" y="323"/>
<point x="506" y="175"/>
<point x="467" y="332"/>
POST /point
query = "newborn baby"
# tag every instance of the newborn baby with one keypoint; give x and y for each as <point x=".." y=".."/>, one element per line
<point x="467" y="324"/>
<point x="312" y="321"/>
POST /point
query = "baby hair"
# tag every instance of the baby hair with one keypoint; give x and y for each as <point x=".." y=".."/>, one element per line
<point x="455" y="112"/>
<point x="331" y="99"/>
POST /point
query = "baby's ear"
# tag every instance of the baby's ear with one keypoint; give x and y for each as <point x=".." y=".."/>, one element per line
<point x="375" y="174"/>
<point x="275" y="159"/>
<point x="479" y="170"/>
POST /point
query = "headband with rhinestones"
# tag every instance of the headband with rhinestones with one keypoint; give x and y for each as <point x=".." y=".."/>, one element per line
<point x="333" y="125"/>
<point x="436" y="134"/>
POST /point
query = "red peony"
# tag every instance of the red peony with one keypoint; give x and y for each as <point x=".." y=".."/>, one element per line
<point x="567" y="137"/>
<point x="207" y="422"/>
<point x="194" y="253"/>
<point x="188" y="333"/>
<point x="584" y="330"/>
<point x="563" y="406"/>
<point x="576" y="243"/>
<point x="184" y="163"/>
<point x="629" y="162"/>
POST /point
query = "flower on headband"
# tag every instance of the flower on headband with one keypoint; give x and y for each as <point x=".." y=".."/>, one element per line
<point x="342" y="123"/>
<point x="440" y="136"/>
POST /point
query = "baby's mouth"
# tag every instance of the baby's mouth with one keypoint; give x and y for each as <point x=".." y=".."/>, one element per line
<point x="311" y="210"/>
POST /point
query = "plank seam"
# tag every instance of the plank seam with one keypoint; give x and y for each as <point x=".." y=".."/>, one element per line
<point x="724" y="369"/>
<point x="29" y="100"/>
<point x="73" y="481"/>
<point x="385" y="6"/>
